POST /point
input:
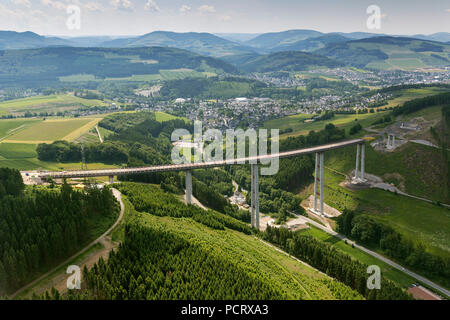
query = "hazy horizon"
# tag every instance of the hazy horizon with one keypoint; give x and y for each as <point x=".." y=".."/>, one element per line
<point x="137" y="17"/>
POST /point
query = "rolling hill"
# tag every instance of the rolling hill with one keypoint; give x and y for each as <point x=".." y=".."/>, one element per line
<point x="312" y="44"/>
<point x="28" y="40"/>
<point x="49" y="65"/>
<point x="287" y="61"/>
<point x="389" y="53"/>
<point x="201" y="43"/>
<point x="269" y="41"/>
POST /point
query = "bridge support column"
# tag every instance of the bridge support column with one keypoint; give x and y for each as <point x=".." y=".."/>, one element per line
<point x="111" y="180"/>
<point x="255" y="196"/>
<point x="363" y="162"/>
<point x="189" y="187"/>
<point x="322" y="178"/>
<point x="358" y="156"/>
<point x="316" y="182"/>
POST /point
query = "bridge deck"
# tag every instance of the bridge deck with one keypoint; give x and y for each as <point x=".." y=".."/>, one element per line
<point x="191" y="166"/>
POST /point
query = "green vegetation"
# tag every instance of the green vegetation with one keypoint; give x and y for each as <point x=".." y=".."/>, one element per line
<point x="288" y="61"/>
<point x="418" y="169"/>
<point x="342" y="121"/>
<point x="8" y="127"/>
<point x="46" y="66"/>
<point x="389" y="53"/>
<point x="383" y="238"/>
<point x="49" y="104"/>
<point x="334" y="262"/>
<point x="386" y="270"/>
<point x="422" y="223"/>
<point x="40" y="227"/>
<point x="51" y="130"/>
<point x="227" y="264"/>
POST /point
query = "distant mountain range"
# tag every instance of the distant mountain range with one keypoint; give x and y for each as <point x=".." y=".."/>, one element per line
<point x="202" y="43"/>
<point x="256" y="52"/>
<point x="27" y="40"/>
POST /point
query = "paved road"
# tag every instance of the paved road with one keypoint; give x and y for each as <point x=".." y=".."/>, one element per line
<point x="379" y="257"/>
<point x="118" y="196"/>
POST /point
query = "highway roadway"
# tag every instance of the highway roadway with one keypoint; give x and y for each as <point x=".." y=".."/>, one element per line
<point x="192" y="166"/>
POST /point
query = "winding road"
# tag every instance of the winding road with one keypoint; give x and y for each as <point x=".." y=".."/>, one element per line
<point x="118" y="196"/>
<point x="378" y="256"/>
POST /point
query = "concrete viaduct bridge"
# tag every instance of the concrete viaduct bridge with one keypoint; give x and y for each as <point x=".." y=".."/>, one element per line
<point x="318" y="181"/>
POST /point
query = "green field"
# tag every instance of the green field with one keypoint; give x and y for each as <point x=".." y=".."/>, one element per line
<point x="386" y="270"/>
<point x="52" y="103"/>
<point x="8" y="127"/>
<point x="24" y="157"/>
<point x="411" y="94"/>
<point x="295" y="278"/>
<point x="163" y="75"/>
<point x="299" y="127"/>
<point x="50" y="130"/>
<point x="162" y="117"/>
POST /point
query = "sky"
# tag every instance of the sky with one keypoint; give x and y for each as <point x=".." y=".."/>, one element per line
<point x="137" y="17"/>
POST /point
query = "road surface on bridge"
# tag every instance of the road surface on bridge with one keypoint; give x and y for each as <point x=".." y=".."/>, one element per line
<point x="192" y="166"/>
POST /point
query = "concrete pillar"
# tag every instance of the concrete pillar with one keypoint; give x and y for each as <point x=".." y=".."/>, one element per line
<point x="253" y="218"/>
<point x="316" y="180"/>
<point x="322" y="178"/>
<point x="111" y="180"/>
<point x="393" y="141"/>
<point x="189" y="187"/>
<point x="358" y="156"/>
<point x="255" y="196"/>
<point x="363" y="161"/>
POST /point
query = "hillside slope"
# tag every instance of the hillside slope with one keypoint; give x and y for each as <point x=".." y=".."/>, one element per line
<point x="48" y="64"/>
<point x="312" y="44"/>
<point x="269" y="41"/>
<point x="228" y="263"/>
<point x="27" y="40"/>
<point x="287" y="61"/>
<point x="389" y="53"/>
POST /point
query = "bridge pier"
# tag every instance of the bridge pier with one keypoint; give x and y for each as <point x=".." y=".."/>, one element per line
<point x="363" y="162"/>
<point x="319" y="183"/>
<point x="255" y="196"/>
<point x="111" y="179"/>
<point x="316" y="184"/>
<point x="391" y="141"/>
<point x="189" y="187"/>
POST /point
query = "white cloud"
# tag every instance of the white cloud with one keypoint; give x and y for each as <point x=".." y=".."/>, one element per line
<point x="54" y="4"/>
<point x="185" y="8"/>
<point x="151" y="6"/>
<point x="226" y="18"/>
<point x="25" y="3"/>
<point x="93" y="6"/>
<point x="126" y="5"/>
<point x="207" y="9"/>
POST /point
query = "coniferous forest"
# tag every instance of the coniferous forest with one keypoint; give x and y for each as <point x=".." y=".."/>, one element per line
<point x="40" y="227"/>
